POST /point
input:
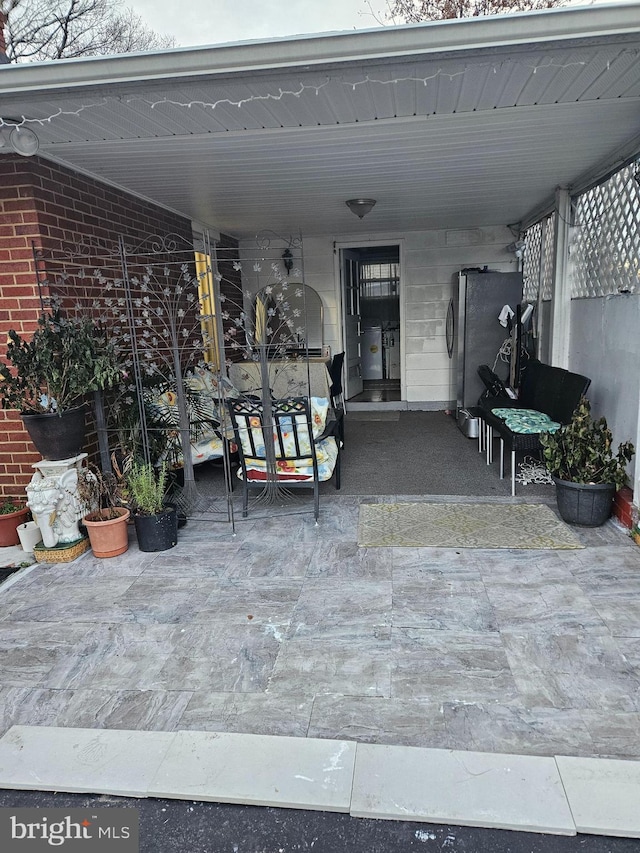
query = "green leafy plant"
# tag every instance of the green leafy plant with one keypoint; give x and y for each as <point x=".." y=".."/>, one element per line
<point x="147" y="487"/>
<point x="66" y="358"/>
<point x="10" y="505"/>
<point x="582" y="450"/>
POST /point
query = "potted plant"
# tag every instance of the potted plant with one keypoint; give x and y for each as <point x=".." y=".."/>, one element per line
<point x="586" y="471"/>
<point x="13" y="513"/>
<point x="107" y="517"/>
<point x="47" y="377"/>
<point x="156" y="524"/>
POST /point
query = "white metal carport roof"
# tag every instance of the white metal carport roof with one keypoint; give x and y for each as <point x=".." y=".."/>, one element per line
<point x="450" y="124"/>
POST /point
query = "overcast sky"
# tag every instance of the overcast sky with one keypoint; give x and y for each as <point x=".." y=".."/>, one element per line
<point x="194" y="22"/>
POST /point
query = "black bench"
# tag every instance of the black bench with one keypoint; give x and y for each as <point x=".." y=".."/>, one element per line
<point x="551" y="390"/>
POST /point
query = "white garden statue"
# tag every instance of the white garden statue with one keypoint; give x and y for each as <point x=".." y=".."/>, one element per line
<point x="52" y="497"/>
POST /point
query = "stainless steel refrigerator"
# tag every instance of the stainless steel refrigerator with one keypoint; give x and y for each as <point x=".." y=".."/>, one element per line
<point x="474" y="332"/>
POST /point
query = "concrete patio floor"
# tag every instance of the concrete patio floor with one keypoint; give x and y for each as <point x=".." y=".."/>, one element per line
<point x="288" y="628"/>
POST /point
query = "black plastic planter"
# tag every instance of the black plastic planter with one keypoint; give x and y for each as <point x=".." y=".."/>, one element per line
<point x="586" y="504"/>
<point x="157" y="532"/>
<point x="57" y="436"/>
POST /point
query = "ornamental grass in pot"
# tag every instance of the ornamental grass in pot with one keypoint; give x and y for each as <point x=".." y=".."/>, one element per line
<point x="156" y="523"/>
<point x="584" y="467"/>
<point x="47" y="376"/>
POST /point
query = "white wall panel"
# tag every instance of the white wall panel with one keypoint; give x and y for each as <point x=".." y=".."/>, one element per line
<point x="432" y="260"/>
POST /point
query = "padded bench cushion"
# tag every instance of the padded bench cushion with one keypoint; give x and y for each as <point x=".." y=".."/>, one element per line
<point x="528" y="421"/>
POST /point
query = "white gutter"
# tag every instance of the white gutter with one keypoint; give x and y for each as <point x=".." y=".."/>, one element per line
<point x="315" y="51"/>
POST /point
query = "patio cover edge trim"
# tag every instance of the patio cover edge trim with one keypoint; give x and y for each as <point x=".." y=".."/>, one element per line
<point x="316" y="50"/>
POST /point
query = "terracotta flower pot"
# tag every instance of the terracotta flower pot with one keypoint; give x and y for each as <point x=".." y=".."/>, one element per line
<point x="108" y="536"/>
<point x="9" y="523"/>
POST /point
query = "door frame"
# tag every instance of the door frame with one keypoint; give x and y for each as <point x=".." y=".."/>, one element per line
<point x="338" y="245"/>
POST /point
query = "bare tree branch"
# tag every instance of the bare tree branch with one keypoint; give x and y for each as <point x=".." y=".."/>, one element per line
<point x="57" y="29"/>
<point x="414" y="11"/>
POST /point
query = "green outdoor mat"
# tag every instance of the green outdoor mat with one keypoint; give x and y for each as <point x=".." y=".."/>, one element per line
<point x="463" y="525"/>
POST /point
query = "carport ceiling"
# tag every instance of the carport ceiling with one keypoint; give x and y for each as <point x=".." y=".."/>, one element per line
<point x="454" y="124"/>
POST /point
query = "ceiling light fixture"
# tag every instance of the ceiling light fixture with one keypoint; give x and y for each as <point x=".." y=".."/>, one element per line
<point x="360" y="206"/>
<point x="21" y="139"/>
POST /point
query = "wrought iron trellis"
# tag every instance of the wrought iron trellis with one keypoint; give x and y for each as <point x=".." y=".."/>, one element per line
<point x="167" y="315"/>
<point x="149" y="298"/>
<point x="264" y="308"/>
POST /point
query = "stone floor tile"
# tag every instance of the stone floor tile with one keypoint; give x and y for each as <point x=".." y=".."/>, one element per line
<point x="630" y="648"/>
<point x="261" y="599"/>
<point x="30" y="651"/>
<point x="255" y="560"/>
<point x="366" y="719"/>
<point x="142" y="710"/>
<point x="447" y="666"/>
<point x="550" y="606"/>
<point x="609" y="577"/>
<point x="441" y="602"/>
<point x="528" y="566"/>
<point x="31" y="706"/>
<point x="341" y="608"/>
<point x="492" y="727"/>
<point x="613" y="735"/>
<point x="241" y="659"/>
<point x="206" y="560"/>
<point x="118" y="656"/>
<point x="78" y="601"/>
<point x="130" y="564"/>
<point x="352" y="666"/>
<point x="620" y="611"/>
<point x="462" y="788"/>
<point x="100" y="761"/>
<point x="257" y="770"/>
<point x="435" y="561"/>
<point x="345" y="560"/>
<point x="603" y="794"/>
<point x="572" y="671"/>
<point x="617" y="557"/>
<point x="252" y="713"/>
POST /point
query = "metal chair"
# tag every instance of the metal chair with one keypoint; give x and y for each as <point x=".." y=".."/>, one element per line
<point x="278" y="450"/>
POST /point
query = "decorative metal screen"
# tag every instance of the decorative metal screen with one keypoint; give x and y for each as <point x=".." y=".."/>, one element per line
<point x="605" y="241"/>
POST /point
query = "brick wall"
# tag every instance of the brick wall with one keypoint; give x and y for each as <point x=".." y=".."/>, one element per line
<point x="54" y="208"/>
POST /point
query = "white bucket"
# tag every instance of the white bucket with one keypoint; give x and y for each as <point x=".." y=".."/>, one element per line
<point x="30" y="536"/>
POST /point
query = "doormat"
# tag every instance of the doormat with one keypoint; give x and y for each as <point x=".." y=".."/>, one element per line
<point x="463" y="525"/>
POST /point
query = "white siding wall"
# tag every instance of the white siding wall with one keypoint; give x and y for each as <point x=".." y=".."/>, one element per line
<point x="605" y="346"/>
<point x="430" y="261"/>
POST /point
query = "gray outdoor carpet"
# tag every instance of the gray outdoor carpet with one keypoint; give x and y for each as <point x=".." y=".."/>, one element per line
<point x="420" y="453"/>
<point x="463" y="525"/>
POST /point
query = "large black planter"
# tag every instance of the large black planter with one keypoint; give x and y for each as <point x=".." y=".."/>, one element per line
<point x="157" y="532"/>
<point x="586" y="504"/>
<point x="57" y="436"/>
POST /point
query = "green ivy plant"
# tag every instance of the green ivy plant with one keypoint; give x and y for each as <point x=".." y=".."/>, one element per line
<point x="582" y="450"/>
<point x="66" y="358"/>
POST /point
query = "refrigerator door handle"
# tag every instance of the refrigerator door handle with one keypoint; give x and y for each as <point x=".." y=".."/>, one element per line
<point x="450" y="328"/>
